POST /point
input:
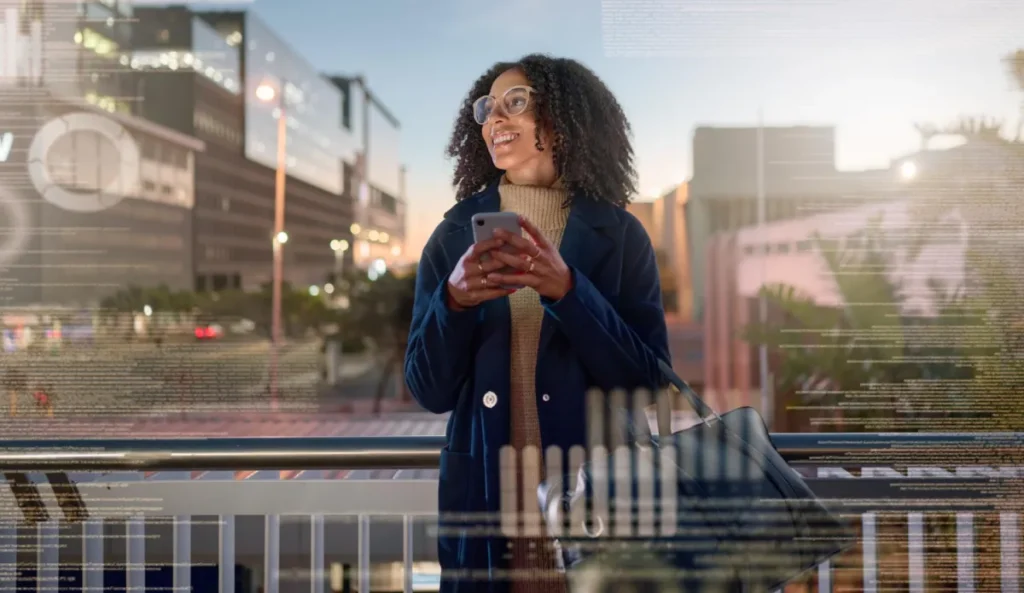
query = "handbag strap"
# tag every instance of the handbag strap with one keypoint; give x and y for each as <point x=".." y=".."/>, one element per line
<point x="664" y="414"/>
<point x="635" y="422"/>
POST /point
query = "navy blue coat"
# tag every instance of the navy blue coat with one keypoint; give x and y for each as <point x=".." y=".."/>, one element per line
<point x="608" y="332"/>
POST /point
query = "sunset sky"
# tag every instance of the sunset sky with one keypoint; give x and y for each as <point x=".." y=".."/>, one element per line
<point x="871" y="68"/>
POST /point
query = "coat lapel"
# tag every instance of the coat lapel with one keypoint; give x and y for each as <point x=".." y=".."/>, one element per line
<point x="496" y="314"/>
<point x="585" y="245"/>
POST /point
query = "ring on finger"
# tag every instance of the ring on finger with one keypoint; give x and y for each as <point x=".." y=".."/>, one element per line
<point x="532" y="264"/>
<point x="483" y="282"/>
<point x="480" y="267"/>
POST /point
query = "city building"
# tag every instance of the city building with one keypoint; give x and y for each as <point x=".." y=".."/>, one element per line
<point x="74" y="49"/>
<point x="94" y="201"/>
<point x="960" y="196"/>
<point x="379" y="229"/>
<point x="664" y="220"/>
<point x="797" y="174"/>
<point x="199" y="72"/>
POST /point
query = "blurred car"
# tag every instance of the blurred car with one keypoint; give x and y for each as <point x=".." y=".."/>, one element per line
<point x="242" y="327"/>
<point x="209" y="331"/>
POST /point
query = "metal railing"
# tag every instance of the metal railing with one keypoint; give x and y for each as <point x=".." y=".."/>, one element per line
<point x="73" y="496"/>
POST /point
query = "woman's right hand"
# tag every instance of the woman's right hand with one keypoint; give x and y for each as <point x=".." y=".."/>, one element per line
<point x="468" y="285"/>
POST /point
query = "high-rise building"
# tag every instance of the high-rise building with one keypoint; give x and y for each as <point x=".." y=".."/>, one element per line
<point x="798" y="177"/>
<point x="200" y="72"/>
<point x="95" y="200"/>
<point x="74" y="49"/>
<point x="379" y="233"/>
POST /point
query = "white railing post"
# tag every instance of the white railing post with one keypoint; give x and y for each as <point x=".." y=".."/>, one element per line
<point x="8" y="557"/>
<point x="407" y="541"/>
<point x="965" y="552"/>
<point x="1009" y="552"/>
<point x="47" y="556"/>
<point x="869" y="543"/>
<point x="272" y="553"/>
<point x="182" y="568"/>
<point x="915" y="552"/>
<point x="316" y="553"/>
<point x="92" y="556"/>
<point x="135" y="551"/>
<point x="226" y="552"/>
<point x="364" y="554"/>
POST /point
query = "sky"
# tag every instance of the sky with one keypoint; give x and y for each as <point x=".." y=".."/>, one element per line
<point x="870" y="67"/>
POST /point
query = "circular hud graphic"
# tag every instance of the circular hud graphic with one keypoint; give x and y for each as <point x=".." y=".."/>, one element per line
<point x="123" y="161"/>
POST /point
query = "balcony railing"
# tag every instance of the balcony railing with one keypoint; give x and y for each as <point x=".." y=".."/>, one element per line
<point x="292" y="506"/>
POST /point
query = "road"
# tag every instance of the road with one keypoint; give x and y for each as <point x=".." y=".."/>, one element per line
<point x="191" y="389"/>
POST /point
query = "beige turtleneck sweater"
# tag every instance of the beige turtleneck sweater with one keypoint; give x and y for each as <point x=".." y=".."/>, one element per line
<point x="543" y="206"/>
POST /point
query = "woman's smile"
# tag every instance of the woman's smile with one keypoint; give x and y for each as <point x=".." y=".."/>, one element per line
<point x="502" y="142"/>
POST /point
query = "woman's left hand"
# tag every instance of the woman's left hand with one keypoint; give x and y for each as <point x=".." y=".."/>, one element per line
<point x="539" y="264"/>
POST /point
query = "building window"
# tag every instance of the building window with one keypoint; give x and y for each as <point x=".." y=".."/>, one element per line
<point x="176" y="157"/>
<point x="98" y="43"/>
<point x="150" y="149"/>
<point x="84" y="160"/>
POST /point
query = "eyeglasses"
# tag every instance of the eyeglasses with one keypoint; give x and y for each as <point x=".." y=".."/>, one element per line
<point x="513" y="102"/>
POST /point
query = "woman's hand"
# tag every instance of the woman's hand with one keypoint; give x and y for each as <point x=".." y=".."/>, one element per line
<point x="538" y="265"/>
<point x="468" y="284"/>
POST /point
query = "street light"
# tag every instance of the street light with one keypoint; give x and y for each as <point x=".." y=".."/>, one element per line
<point x="266" y="93"/>
<point x="339" y="247"/>
<point x="908" y="170"/>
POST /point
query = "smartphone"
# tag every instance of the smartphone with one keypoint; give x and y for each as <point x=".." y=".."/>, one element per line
<point x="484" y="225"/>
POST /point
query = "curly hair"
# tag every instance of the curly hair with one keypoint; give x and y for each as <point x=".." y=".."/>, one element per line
<point x="591" y="143"/>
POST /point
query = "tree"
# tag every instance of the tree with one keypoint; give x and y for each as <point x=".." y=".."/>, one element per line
<point x="868" y="357"/>
<point x="380" y="311"/>
<point x="163" y="302"/>
<point x="300" y="311"/>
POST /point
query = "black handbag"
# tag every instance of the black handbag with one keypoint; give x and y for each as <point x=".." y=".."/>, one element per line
<point x="711" y="508"/>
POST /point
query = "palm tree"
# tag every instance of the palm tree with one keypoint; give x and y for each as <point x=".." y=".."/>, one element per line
<point x="867" y="357"/>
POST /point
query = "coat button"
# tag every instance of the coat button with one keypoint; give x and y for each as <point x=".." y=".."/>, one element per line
<point x="546" y="397"/>
<point x="490" y="399"/>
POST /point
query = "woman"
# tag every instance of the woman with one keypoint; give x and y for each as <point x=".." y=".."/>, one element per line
<point x="545" y="138"/>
